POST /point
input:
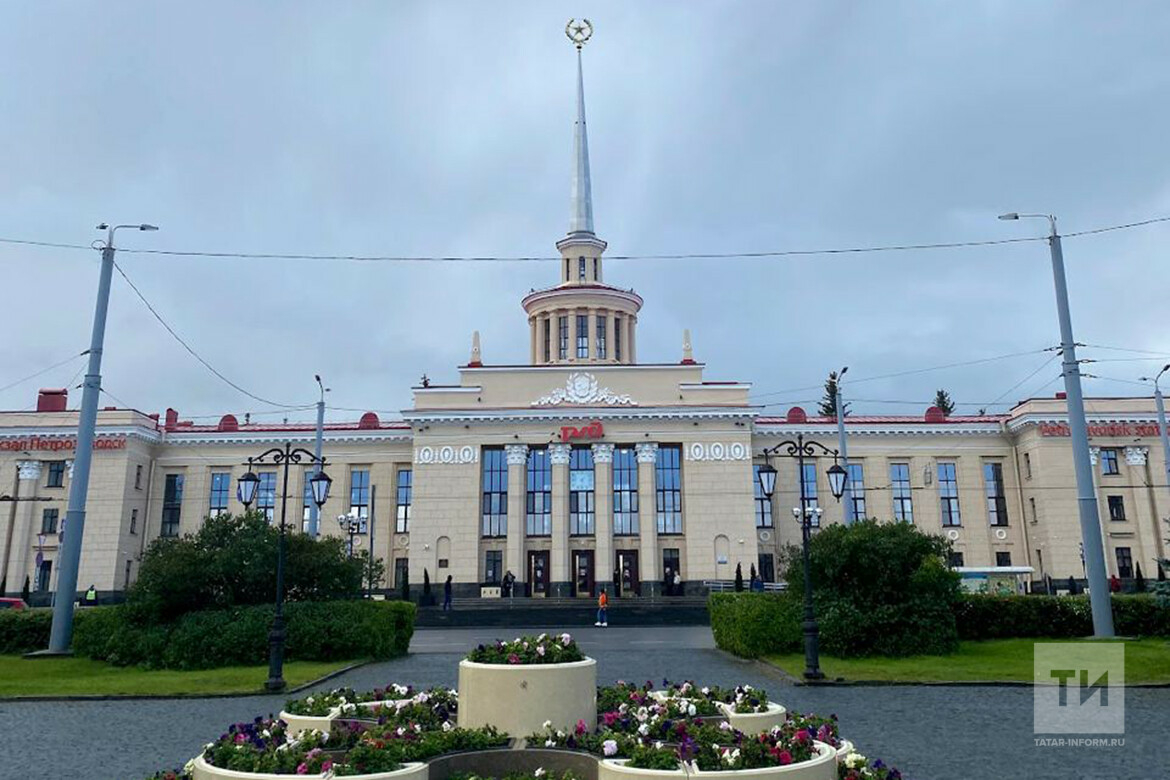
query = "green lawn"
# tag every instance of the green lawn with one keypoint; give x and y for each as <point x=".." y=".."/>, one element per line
<point x="994" y="660"/>
<point x="82" y="676"/>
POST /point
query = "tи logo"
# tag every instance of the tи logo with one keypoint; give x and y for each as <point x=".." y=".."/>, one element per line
<point x="1079" y="688"/>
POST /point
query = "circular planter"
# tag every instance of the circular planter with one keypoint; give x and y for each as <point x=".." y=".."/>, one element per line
<point x="755" y="722"/>
<point x="500" y="762"/>
<point x="299" y="723"/>
<point x="414" y="771"/>
<point x="845" y="749"/>
<point x="519" y="698"/>
<point x="822" y="766"/>
<point x="202" y="770"/>
<point x="616" y="769"/>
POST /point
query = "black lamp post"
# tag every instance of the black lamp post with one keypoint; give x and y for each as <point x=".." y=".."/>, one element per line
<point x="246" y="492"/>
<point x="804" y="514"/>
<point x="352" y="525"/>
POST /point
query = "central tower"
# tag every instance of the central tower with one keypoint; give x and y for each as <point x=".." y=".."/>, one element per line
<point x="582" y="320"/>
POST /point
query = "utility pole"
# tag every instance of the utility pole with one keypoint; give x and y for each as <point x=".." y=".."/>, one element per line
<point x="314" y="510"/>
<point x="1094" y="548"/>
<point x="373" y="523"/>
<point x="61" y="634"/>
<point x="1162" y="434"/>
<point x="849" y="518"/>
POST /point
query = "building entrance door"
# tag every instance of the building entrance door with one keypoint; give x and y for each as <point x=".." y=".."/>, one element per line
<point x="583" y="573"/>
<point x="627" y="572"/>
<point x="538" y="572"/>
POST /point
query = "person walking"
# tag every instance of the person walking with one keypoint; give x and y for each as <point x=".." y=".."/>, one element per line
<point x="677" y="584"/>
<point x="602" y="610"/>
<point x="509" y="583"/>
<point x="447" y="594"/>
<point x="90" y="599"/>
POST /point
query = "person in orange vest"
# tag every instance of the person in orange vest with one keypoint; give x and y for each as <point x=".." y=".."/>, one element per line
<point x="602" y="609"/>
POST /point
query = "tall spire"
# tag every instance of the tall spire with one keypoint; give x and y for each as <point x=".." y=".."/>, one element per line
<point x="581" y="213"/>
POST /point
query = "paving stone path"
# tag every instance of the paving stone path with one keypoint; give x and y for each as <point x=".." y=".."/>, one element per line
<point x="931" y="732"/>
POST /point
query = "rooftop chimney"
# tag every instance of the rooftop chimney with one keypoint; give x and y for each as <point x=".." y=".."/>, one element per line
<point x="51" y="400"/>
<point x="172" y="420"/>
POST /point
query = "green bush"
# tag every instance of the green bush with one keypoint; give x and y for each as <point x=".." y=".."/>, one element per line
<point x="880" y="589"/>
<point x="1055" y="617"/>
<point x="754" y="624"/>
<point x="24" y="631"/>
<point x="317" y="631"/>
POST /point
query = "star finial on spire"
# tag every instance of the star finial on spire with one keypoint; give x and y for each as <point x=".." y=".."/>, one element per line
<point x="579" y="32"/>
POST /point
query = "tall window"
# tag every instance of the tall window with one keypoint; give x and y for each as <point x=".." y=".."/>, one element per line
<point x="401" y="572"/>
<point x="495" y="492"/>
<point x="581" y="269"/>
<point x="900" y="485"/>
<point x="617" y="339"/>
<point x="44" y="575"/>
<point x="625" y="492"/>
<point x="172" y="504"/>
<point x="767" y="568"/>
<point x="538" y="498"/>
<point x="763" y="503"/>
<point x="808" y="480"/>
<point x="668" y="488"/>
<point x="221" y="489"/>
<point x="599" y="339"/>
<point x="1027" y="466"/>
<point x="856" y="488"/>
<point x="138" y="477"/>
<point x="596" y="271"/>
<point x="359" y="494"/>
<point x="547" y="326"/>
<point x="996" y="501"/>
<point x="49" y="521"/>
<point x="670" y="565"/>
<point x="56" y="474"/>
<point x="405" y="490"/>
<point x="581" y="510"/>
<point x="1109" y="462"/>
<point x="582" y="336"/>
<point x="955" y="559"/>
<point x="1003" y="558"/>
<point x="1032" y="506"/>
<point x="563" y="337"/>
<point x="266" y="494"/>
<point x="1116" y="507"/>
<point x="134" y="521"/>
<point x="493" y="564"/>
<point x="1124" y="562"/>
<point x="948" y="494"/>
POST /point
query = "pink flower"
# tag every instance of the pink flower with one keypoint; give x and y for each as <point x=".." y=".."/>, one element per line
<point x="610" y="718"/>
<point x="581" y="727"/>
<point x="785" y="757"/>
<point x="326" y="765"/>
<point x="302" y="768"/>
<point x="513" y="658"/>
<point x="803" y="735"/>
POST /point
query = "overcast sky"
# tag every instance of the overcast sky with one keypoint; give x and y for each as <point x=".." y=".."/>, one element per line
<point x="442" y="128"/>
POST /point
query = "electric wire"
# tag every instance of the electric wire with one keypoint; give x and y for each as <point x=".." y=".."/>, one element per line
<point x="58" y="364"/>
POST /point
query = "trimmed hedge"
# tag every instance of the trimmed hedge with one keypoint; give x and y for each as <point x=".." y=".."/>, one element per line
<point x="1055" y="617"/>
<point x="25" y="630"/>
<point x="317" y="631"/>
<point x="754" y="624"/>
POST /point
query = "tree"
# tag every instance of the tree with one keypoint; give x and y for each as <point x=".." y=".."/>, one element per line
<point x="753" y="572"/>
<point x="828" y="404"/>
<point x="24" y="592"/>
<point x="738" y="578"/>
<point x="942" y="399"/>
<point x="1139" y="581"/>
<point x="406" y="584"/>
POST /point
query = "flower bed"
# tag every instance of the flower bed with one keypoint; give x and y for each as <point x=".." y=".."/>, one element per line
<point x="855" y="766"/>
<point x="542" y="649"/>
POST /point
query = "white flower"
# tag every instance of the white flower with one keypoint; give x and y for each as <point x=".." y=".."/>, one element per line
<point x="642" y="714"/>
<point x="566" y="640"/>
<point x="266" y="733"/>
<point x="725" y="726"/>
<point x="542" y="637"/>
<point x="658" y="745"/>
<point x="400" y="731"/>
<point x="546" y="725"/>
<point x="348" y="708"/>
<point x="539" y="772"/>
<point x="540" y="650"/>
<point x="691" y="709"/>
<point x="706" y="691"/>
<point x="423" y="697"/>
<point x="609" y="747"/>
<point x="549" y="743"/>
<point x="644" y="729"/>
<point x="855" y="760"/>
<point x="447" y="725"/>
<point x="692" y="767"/>
<point x="309" y="700"/>
<point x="189" y="767"/>
<point x="560" y="734"/>
<point x="747" y="687"/>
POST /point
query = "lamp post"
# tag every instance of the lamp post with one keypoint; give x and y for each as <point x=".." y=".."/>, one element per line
<point x="352" y="525"/>
<point x="849" y="517"/>
<point x="1082" y="465"/>
<point x="246" y="491"/>
<point x="315" y="511"/>
<point x="804" y="514"/>
<point x="1162" y="434"/>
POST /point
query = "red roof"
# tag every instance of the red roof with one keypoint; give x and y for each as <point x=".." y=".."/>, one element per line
<point x="887" y="419"/>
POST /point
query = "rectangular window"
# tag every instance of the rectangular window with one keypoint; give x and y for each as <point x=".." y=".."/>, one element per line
<point x="221" y="489"/>
<point x="401" y="567"/>
<point x="538" y="495"/>
<point x="596" y="271"/>
<point x="1124" y="562"/>
<point x="809" y="487"/>
<point x="582" y="336"/>
<point x="547" y="341"/>
<point x="856" y="487"/>
<point x="172" y="504"/>
<point x="44" y="575"/>
<point x="670" y="566"/>
<point x="668" y="488"/>
<point x="1003" y="558"/>
<point x="996" y="501"/>
<point x="266" y="494"/>
<point x="138" y="477"/>
<point x="581" y="509"/>
<point x="493" y="563"/>
<point x="767" y="567"/>
<point x="1032" y="506"/>
<point x="617" y="339"/>
<point x="948" y="494"/>
<point x="599" y="339"/>
<point x="495" y="492"/>
<point x="1109" y="461"/>
<point x="955" y="559"/>
<point x="1027" y="466"/>
<point x="134" y="521"/>
<point x="900" y="488"/>
<point x="563" y="337"/>
<point x="580" y="269"/>
<point x="1116" y="508"/>
<point x="56" y="474"/>
<point x="625" y="492"/>
<point x="405" y="491"/>
<point x="49" y="521"/>
<point x="763" y="503"/>
<point x="129" y="566"/>
<point x="359" y="494"/>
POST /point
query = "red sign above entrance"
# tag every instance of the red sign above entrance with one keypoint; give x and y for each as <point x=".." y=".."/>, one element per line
<point x="31" y="443"/>
<point x="1108" y="429"/>
<point x="593" y="430"/>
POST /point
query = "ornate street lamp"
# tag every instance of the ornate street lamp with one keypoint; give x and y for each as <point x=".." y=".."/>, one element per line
<point x="804" y="514"/>
<point x="352" y="525"/>
<point x="246" y="491"/>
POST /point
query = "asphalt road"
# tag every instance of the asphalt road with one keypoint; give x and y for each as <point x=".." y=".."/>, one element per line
<point x="930" y="732"/>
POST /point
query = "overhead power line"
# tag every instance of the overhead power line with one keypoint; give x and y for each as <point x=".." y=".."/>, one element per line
<point x="58" y="364"/>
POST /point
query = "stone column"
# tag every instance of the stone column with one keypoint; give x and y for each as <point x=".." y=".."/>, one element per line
<point x="25" y="526"/>
<point x="517" y="455"/>
<point x="647" y="453"/>
<point x="533" y="350"/>
<point x="632" y="321"/>
<point x="603" y="517"/>
<point x="559" y="584"/>
<point x="610" y="316"/>
<point x="573" y="335"/>
<point x="592" y="325"/>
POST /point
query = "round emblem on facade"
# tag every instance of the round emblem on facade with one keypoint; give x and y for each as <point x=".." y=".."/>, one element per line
<point x="697" y="451"/>
<point x="717" y="451"/>
<point x="738" y="451"/>
<point x="765" y="536"/>
<point x="952" y="534"/>
<point x="467" y="454"/>
<point x="447" y="454"/>
<point x="1000" y="534"/>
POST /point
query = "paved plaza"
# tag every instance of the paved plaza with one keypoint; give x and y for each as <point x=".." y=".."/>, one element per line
<point x="931" y="732"/>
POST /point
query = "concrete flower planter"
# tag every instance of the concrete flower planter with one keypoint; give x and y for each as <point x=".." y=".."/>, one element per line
<point x="205" y="771"/>
<point x="299" y="723"/>
<point x="519" y="698"/>
<point x="500" y="762"/>
<point x="755" y="722"/>
<point x="845" y="749"/>
<point x="407" y="772"/>
<point x="617" y="769"/>
<point x="822" y="766"/>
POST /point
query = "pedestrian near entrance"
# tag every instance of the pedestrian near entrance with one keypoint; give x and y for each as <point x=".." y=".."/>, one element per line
<point x="602" y="610"/>
<point x="509" y="583"/>
<point x="90" y="598"/>
<point x="447" y="594"/>
<point x="677" y="584"/>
